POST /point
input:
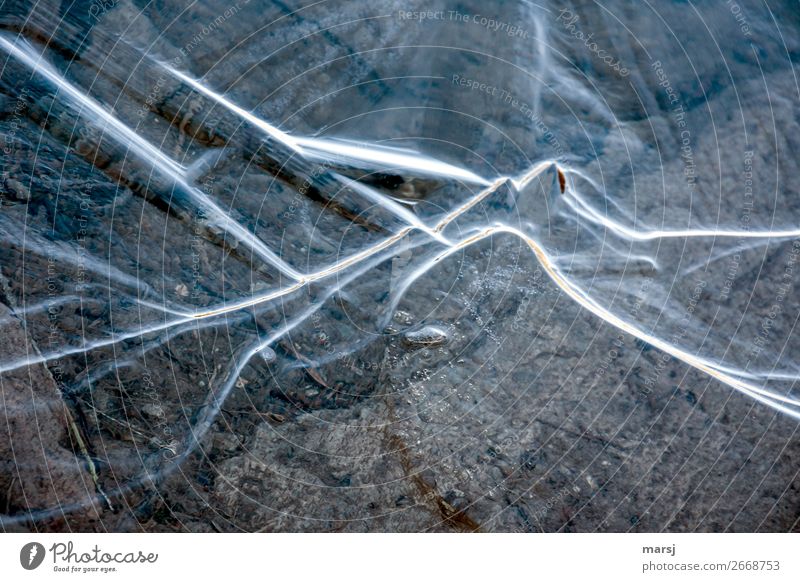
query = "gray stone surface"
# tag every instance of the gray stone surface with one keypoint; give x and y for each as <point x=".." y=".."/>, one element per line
<point x="534" y="415"/>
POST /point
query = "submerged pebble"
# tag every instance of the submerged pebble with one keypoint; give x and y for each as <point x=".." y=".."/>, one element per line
<point x="16" y="190"/>
<point x="268" y="354"/>
<point x="403" y="317"/>
<point x="429" y="336"/>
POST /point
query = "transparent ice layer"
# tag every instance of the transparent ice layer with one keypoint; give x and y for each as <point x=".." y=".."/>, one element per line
<point x="203" y="198"/>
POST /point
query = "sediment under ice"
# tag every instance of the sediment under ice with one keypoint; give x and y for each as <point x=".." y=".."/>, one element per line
<point x="629" y="275"/>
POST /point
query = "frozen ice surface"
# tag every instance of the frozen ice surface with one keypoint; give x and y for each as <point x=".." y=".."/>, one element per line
<point x="398" y="266"/>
